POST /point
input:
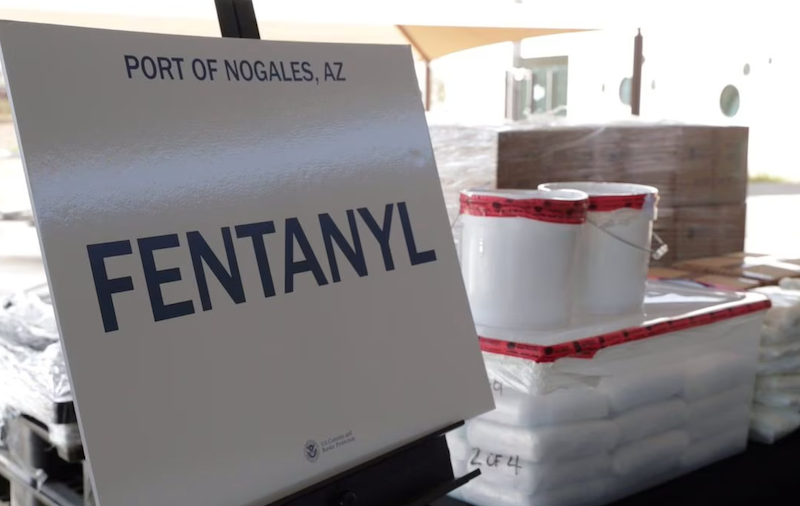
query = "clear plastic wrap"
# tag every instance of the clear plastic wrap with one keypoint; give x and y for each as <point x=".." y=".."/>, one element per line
<point x="633" y="407"/>
<point x="33" y="373"/>
<point x="700" y="170"/>
<point x="777" y="398"/>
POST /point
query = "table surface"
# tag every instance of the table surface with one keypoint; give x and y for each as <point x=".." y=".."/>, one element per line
<point x="761" y="476"/>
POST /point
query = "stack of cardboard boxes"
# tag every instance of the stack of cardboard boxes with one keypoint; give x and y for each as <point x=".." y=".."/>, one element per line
<point x="700" y="171"/>
<point x="737" y="271"/>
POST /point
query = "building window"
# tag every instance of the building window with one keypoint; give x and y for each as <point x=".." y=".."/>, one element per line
<point x="625" y="90"/>
<point x="549" y="88"/>
<point x="729" y="101"/>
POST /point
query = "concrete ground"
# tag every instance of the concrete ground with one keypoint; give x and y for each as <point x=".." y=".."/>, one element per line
<point x="773" y="219"/>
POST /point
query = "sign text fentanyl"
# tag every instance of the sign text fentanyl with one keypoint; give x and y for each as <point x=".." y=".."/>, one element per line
<point x="299" y="258"/>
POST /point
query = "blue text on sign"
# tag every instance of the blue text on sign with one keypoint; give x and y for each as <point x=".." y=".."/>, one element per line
<point x="229" y="276"/>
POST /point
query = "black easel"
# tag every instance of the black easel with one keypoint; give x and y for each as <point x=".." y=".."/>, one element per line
<point x="414" y="475"/>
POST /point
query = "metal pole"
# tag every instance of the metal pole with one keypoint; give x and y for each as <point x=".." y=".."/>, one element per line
<point x="636" y="80"/>
<point x="237" y="19"/>
<point x="428" y="85"/>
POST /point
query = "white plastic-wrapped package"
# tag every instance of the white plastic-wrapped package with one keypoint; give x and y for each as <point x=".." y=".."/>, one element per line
<point x="616" y="404"/>
<point x="785" y="365"/>
<point x="772" y="336"/>
<point x="482" y="493"/>
<point x="566" y="405"/>
<point x="630" y="390"/>
<point x="652" y="419"/>
<point x="651" y="456"/>
<point x="778" y="398"/>
<point x="717" y="447"/>
<point x="786" y="382"/>
<point x="459" y="447"/>
<point x="531" y="477"/>
<point x="707" y="407"/>
<point x="785" y="319"/>
<point x="542" y="444"/>
<point x="768" y="425"/>
<point x="704" y="428"/>
<point x="714" y="373"/>
<point x="459" y="470"/>
<point x="776" y="351"/>
<point x="459" y="453"/>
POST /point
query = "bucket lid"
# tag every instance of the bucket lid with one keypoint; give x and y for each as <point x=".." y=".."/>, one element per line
<point x="556" y="206"/>
<point x="611" y="196"/>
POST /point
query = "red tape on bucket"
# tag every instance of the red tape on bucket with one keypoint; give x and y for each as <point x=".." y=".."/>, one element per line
<point x="608" y="203"/>
<point x="588" y="347"/>
<point x="552" y="211"/>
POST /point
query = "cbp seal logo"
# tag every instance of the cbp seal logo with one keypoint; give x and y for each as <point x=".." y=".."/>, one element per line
<point x="311" y="450"/>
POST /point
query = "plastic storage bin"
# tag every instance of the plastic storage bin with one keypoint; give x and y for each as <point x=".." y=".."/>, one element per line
<point x="518" y="252"/>
<point x="615" y="245"/>
<point x="599" y="411"/>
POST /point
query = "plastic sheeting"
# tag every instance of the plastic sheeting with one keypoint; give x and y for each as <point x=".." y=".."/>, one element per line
<point x="33" y="373"/>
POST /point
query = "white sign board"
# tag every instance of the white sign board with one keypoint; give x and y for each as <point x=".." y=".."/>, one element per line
<point x="248" y="249"/>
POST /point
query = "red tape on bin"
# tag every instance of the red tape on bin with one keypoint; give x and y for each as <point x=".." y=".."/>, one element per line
<point x="588" y="347"/>
<point x="571" y="212"/>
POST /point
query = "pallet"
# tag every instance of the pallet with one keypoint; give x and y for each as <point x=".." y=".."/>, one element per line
<point x="24" y="489"/>
<point x="40" y="473"/>
<point x="30" y="432"/>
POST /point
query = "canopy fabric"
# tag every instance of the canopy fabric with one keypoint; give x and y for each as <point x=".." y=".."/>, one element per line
<point x="433" y="42"/>
<point x="429" y="42"/>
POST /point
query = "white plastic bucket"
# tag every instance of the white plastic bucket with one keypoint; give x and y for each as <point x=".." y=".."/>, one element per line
<point x="518" y="255"/>
<point x="615" y="246"/>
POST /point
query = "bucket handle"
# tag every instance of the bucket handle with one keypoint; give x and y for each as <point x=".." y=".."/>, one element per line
<point x="656" y="253"/>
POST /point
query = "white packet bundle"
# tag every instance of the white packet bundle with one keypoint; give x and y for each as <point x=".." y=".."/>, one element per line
<point x="768" y="425"/>
<point x="552" y="443"/>
<point x="483" y="493"/>
<point x="565" y="405"/>
<point x="771" y="336"/>
<point x="720" y="446"/>
<point x="707" y="407"/>
<point x="652" y="456"/>
<point x="776" y="351"/>
<point x="788" y="382"/>
<point x="534" y="478"/>
<point x="714" y="373"/>
<point x="730" y="419"/>
<point x="785" y="365"/>
<point x="778" y="398"/>
<point x="632" y="389"/>
<point x="652" y="419"/>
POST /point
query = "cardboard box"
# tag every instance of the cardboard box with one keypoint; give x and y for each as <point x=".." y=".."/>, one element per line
<point x="767" y="273"/>
<point x="716" y="281"/>
<point x="690" y="165"/>
<point x="664" y="273"/>
<point x="743" y="255"/>
<point x="700" y="232"/>
<point x="763" y="270"/>
<point x="726" y="282"/>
